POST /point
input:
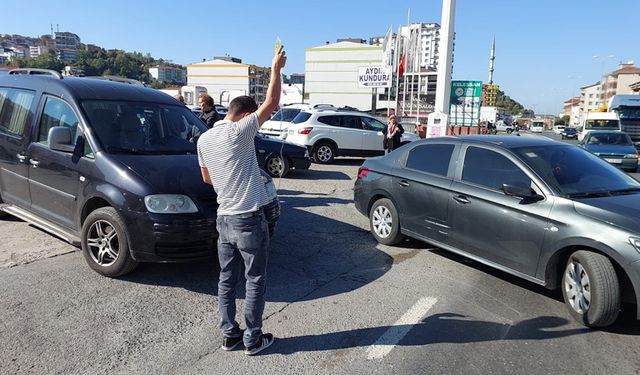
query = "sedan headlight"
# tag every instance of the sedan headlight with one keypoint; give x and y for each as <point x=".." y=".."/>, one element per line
<point x="635" y="242"/>
<point x="169" y="204"/>
<point x="631" y="156"/>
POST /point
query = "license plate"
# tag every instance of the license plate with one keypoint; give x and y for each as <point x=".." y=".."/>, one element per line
<point x="613" y="161"/>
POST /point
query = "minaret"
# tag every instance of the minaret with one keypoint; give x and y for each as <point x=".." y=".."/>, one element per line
<point x="493" y="57"/>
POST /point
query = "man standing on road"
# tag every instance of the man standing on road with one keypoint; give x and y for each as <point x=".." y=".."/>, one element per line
<point x="208" y="115"/>
<point x="227" y="158"/>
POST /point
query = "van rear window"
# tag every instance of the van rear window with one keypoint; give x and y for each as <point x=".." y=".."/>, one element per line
<point x="15" y="110"/>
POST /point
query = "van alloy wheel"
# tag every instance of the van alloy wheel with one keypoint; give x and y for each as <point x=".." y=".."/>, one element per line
<point x="102" y="241"/>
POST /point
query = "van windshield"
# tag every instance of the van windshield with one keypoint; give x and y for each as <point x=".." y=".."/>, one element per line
<point x="602" y="124"/>
<point x="125" y="127"/>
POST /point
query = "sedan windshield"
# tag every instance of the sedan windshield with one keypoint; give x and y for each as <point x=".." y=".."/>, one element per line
<point x="143" y="128"/>
<point x="618" y="138"/>
<point x="576" y="173"/>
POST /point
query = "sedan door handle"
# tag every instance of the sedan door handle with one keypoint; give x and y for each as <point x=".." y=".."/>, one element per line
<point x="462" y="199"/>
<point x="22" y="158"/>
<point x="35" y="163"/>
<point x="403" y="183"/>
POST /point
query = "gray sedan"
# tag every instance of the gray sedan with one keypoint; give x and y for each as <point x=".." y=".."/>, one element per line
<point x="545" y="211"/>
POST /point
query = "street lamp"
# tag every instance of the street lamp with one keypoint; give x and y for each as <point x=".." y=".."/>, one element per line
<point x="603" y="84"/>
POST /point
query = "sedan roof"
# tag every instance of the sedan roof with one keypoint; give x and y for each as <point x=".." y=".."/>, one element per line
<point x="507" y="141"/>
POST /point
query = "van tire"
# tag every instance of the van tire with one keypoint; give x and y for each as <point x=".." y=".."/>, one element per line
<point x="105" y="243"/>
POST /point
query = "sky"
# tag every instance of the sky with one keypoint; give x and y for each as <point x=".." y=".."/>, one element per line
<point x="544" y="48"/>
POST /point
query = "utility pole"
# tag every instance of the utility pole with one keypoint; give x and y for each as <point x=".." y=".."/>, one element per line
<point x="439" y="118"/>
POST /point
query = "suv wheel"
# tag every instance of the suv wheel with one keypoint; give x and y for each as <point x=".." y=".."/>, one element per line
<point x="277" y="166"/>
<point x="591" y="289"/>
<point x="105" y="243"/>
<point x="324" y="153"/>
<point x="384" y="222"/>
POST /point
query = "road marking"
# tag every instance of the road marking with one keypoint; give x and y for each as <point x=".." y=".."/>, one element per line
<point x="385" y="344"/>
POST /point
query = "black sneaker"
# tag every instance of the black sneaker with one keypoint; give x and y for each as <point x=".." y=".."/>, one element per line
<point x="264" y="342"/>
<point x="230" y="343"/>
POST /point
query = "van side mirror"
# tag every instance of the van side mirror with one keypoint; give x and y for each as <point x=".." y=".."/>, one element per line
<point x="526" y="193"/>
<point x="60" y="139"/>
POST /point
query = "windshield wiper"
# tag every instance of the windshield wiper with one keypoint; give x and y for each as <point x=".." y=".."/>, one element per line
<point x="625" y="191"/>
<point x="590" y="194"/>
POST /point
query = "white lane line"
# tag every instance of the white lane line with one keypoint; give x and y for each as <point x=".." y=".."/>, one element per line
<point x="385" y="344"/>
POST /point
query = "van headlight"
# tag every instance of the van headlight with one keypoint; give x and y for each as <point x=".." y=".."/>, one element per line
<point x="169" y="204"/>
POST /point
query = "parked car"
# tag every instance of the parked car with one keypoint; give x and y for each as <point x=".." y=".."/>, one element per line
<point x="558" y="129"/>
<point x="278" y="124"/>
<point x="520" y="205"/>
<point x="569" y="133"/>
<point x="111" y="167"/>
<point x="277" y="156"/>
<point x="615" y="147"/>
<point x="331" y="132"/>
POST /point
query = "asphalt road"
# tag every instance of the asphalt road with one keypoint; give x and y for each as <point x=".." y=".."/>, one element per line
<point x="338" y="303"/>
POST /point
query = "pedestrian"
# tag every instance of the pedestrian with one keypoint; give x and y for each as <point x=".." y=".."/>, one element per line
<point x="180" y="98"/>
<point x="392" y="134"/>
<point x="208" y="115"/>
<point x="228" y="162"/>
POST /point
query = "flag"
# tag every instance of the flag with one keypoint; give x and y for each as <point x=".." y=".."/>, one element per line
<point x="401" y="66"/>
<point x="386" y="49"/>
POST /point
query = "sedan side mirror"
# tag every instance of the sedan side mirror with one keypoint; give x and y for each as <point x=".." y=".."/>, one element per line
<point x="526" y="193"/>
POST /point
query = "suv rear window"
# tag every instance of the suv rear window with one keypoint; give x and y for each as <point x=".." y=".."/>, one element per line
<point x="285" y="114"/>
<point x="301" y="117"/>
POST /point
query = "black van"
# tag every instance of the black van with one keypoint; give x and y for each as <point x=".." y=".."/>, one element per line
<point x="109" y="166"/>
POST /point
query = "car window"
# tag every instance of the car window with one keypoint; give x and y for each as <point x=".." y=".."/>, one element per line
<point x="147" y="128"/>
<point x="285" y="114"/>
<point x="490" y="169"/>
<point x="351" y="122"/>
<point x="57" y="113"/>
<point x="557" y="165"/>
<point x="330" y="120"/>
<point x="372" y="124"/>
<point x="15" y="110"/>
<point x="301" y="117"/>
<point x="430" y="158"/>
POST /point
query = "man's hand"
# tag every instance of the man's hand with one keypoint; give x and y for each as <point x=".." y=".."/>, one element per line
<point x="279" y="60"/>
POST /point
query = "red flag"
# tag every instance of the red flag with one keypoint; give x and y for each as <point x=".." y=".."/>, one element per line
<point x="401" y="66"/>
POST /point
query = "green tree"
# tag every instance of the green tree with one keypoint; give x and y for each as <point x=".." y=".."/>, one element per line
<point x="558" y="121"/>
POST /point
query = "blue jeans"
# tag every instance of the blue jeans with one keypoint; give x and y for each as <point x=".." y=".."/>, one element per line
<point x="242" y="238"/>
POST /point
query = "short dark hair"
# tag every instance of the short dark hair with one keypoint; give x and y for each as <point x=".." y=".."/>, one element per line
<point x="242" y="104"/>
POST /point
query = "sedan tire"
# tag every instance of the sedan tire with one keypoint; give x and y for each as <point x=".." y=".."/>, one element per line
<point x="591" y="289"/>
<point x="277" y="166"/>
<point x="385" y="222"/>
<point x="105" y="243"/>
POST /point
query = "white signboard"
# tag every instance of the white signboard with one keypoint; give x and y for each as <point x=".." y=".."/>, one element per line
<point x="374" y="76"/>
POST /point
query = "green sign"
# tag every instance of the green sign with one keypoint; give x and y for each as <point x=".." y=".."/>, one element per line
<point x="465" y="103"/>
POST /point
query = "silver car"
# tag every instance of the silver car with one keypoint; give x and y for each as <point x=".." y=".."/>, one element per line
<point x="545" y="211"/>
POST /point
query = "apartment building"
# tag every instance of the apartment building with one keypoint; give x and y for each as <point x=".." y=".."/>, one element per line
<point x="166" y="73"/>
<point x="572" y="109"/>
<point x="590" y="98"/>
<point x="226" y="77"/>
<point x="619" y="81"/>
<point x="67" y="40"/>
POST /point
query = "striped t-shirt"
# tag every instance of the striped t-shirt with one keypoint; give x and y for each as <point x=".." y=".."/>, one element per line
<point x="228" y="152"/>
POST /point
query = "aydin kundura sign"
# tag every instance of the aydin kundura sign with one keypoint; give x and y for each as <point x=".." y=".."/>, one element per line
<point x="374" y="76"/>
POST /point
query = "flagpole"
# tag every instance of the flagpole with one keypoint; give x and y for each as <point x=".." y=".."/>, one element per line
<point x="396" y="68"/>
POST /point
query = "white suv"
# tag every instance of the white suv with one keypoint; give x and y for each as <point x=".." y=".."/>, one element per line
<point x="278" y="124"/>
<point x="328" y="133"/>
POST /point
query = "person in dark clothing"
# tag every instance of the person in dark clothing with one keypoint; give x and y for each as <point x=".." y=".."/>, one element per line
<point x="392" y="134"/>
<point x="208" y="115"/>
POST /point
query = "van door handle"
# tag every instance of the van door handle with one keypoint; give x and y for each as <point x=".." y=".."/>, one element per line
<point x="22" y="158"/>
<point x="462" y="199"/>
<point x="35" y="163"/>
<point x="403" y="183"/>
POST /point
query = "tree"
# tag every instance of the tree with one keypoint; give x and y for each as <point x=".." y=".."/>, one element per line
<point x="566" y="119"/>
<point x="559" y="121"/>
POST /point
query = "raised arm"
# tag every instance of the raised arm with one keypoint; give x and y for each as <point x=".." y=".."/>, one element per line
<point x="273" y="92"/>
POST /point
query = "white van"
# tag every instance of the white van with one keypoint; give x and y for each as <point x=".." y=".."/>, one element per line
<point x="537" y="126"/>
<point x="598" y="121"/>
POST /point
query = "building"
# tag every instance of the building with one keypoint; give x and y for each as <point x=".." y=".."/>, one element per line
<point x="36" y="51"/>
<point x="297" y="78"/>
<point x="590" y="98"/>
<point x="67" y="40"/>
<point x="635" y="87"/>
<point x="225" y="78"/>
<point x="572" y="109"/>
<point x="67" y="54"/>
<point x="352" y="40"/>
<point x="428" y="41"/>
<point x="331" y="74"/>
<point x="619" y="82"/>
<point x="170" y="74"/>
